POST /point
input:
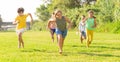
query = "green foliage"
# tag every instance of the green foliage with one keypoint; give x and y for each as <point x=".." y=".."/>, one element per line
<point x="113" y="27"/>
<point x="39" y="26"/>
<point x="106" y="12"/>
<point x="42" y="13"/>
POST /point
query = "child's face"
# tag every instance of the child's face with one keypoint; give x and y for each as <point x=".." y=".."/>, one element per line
<point x="59" y="14"/>
<point x="21" y="13"/>
<point x="90" y="14"/>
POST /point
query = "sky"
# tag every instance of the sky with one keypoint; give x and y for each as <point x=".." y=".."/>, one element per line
<point x="8" y="8"/>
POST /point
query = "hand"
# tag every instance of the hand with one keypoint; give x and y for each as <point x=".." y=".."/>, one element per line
<point x="31" y="22"/>
<point x="68" y="27"/>
<point x="93" y="26"/>
<point x="15" y="22"/>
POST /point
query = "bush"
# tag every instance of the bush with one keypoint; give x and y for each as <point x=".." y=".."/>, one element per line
<point x="39" y="26"/>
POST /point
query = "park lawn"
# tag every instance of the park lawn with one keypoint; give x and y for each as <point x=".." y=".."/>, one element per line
<point x="40" y="48"/>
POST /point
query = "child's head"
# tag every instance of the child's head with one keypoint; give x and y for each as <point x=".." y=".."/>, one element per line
<point x="83" y="16"/>
<point x="90" y="13"/>
<point x="20" y="11"/>
<point x="58" y="13"/>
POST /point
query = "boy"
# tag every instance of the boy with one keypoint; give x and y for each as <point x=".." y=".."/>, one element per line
<point x="20" y="22"/>
<point x="82" y="29"/>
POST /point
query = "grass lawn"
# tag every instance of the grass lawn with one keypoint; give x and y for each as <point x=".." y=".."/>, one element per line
<point x="40" y="48"/>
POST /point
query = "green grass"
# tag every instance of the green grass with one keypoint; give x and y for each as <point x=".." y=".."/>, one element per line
<point x="39" y="48"/>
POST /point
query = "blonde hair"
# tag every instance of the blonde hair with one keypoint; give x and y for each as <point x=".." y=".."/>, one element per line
<point x="57" y="12"/>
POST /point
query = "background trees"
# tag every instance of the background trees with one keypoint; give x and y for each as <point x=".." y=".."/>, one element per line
<point x="106" y="11"/>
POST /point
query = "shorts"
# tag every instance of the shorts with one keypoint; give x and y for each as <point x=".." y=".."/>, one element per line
<point x="83" y="33"/>
<point x="63" y="33"/>
<point x="20" y="30"/>
<point x="53" y="30"/>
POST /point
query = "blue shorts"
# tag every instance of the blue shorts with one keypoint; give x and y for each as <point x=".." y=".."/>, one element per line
<point x="63" y="33"/>
<point x="83" y="33"/>
<point x="53" y="30"/>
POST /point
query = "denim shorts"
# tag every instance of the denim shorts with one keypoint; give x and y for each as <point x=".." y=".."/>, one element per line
<point x="53" y="30"/>
<point x="63" y="33"/>
<point x="83" y="33"/>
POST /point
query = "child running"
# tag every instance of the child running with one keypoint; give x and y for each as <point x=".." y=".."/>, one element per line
<point x="82" y="29"/>
<point x="51" y="26"/>
<point x="90" y="26"/>
<point x="61" y="28"/>
<point x="20" y="22"/>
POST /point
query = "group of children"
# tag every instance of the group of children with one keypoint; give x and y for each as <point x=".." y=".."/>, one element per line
<point x="58" y="24"/>
<point x="87" y="26"/>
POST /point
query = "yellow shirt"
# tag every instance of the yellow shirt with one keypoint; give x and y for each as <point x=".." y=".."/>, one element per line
<point x="21" y="21"/>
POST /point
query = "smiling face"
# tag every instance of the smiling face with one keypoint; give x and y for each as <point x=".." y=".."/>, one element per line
<point x="58" y="14"/>
<point x="90" y="13"/>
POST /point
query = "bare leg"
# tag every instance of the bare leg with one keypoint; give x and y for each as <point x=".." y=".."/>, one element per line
<point x="60" y="43"/>
<point x="20" y="40"/>
<point x="52" y="35"/>
<point x="81" y="39"/>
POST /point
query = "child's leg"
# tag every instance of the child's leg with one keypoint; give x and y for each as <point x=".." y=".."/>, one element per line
<point x="20" y="40"/>
<point x="91" y="36"/>
<point x="60" y="43"/>
<point x="81" y="38"/>
<point x="52" y="34"/>
<point x="88" y="37"/>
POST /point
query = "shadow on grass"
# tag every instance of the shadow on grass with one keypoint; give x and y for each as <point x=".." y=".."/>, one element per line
<point x="103" y="55"/>
<point x="33" y="50"/>
<point x="116" y="48"/>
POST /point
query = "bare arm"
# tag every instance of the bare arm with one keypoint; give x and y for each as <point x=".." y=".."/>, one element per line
<point x="85" y="20"/>
<point x="14" y="22"/>
<point x="95" y="24"/>
<point x="31" y="17"/>
<point x="69" y="22"/>
<point x="48" y="24"/>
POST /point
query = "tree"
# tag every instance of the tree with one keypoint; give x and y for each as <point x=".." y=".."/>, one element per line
<point x="0" y="21"/>
<point x="42" y="13"/>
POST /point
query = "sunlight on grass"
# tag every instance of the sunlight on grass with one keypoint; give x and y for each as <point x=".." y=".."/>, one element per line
<point x="40" y="48"/>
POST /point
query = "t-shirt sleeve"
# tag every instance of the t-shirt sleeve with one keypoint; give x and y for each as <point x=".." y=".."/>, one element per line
<point x="26" y="15"/>
<point x="16" y="19"/>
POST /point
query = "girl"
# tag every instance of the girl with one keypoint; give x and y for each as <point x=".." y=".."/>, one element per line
<point x="61" y="28"/>
<point x="90" y="26"/>
<point x="51" y="26"/>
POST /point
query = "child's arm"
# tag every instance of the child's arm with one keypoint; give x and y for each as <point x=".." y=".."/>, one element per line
<point x="48" y="24"/>
<point x="84" y="20"/>
<point x="31" y="17"/>
<point x="68" y="21"/>
<point x="95" y="24"/>
<point x="15" y="22"/>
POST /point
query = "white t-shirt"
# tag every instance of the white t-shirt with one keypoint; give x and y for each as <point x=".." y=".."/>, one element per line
<point x="82" y="26"/>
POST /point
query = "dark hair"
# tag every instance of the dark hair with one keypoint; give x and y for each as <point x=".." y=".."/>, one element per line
<point x="20" y="10"/>
<point x="83" y="15"/>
